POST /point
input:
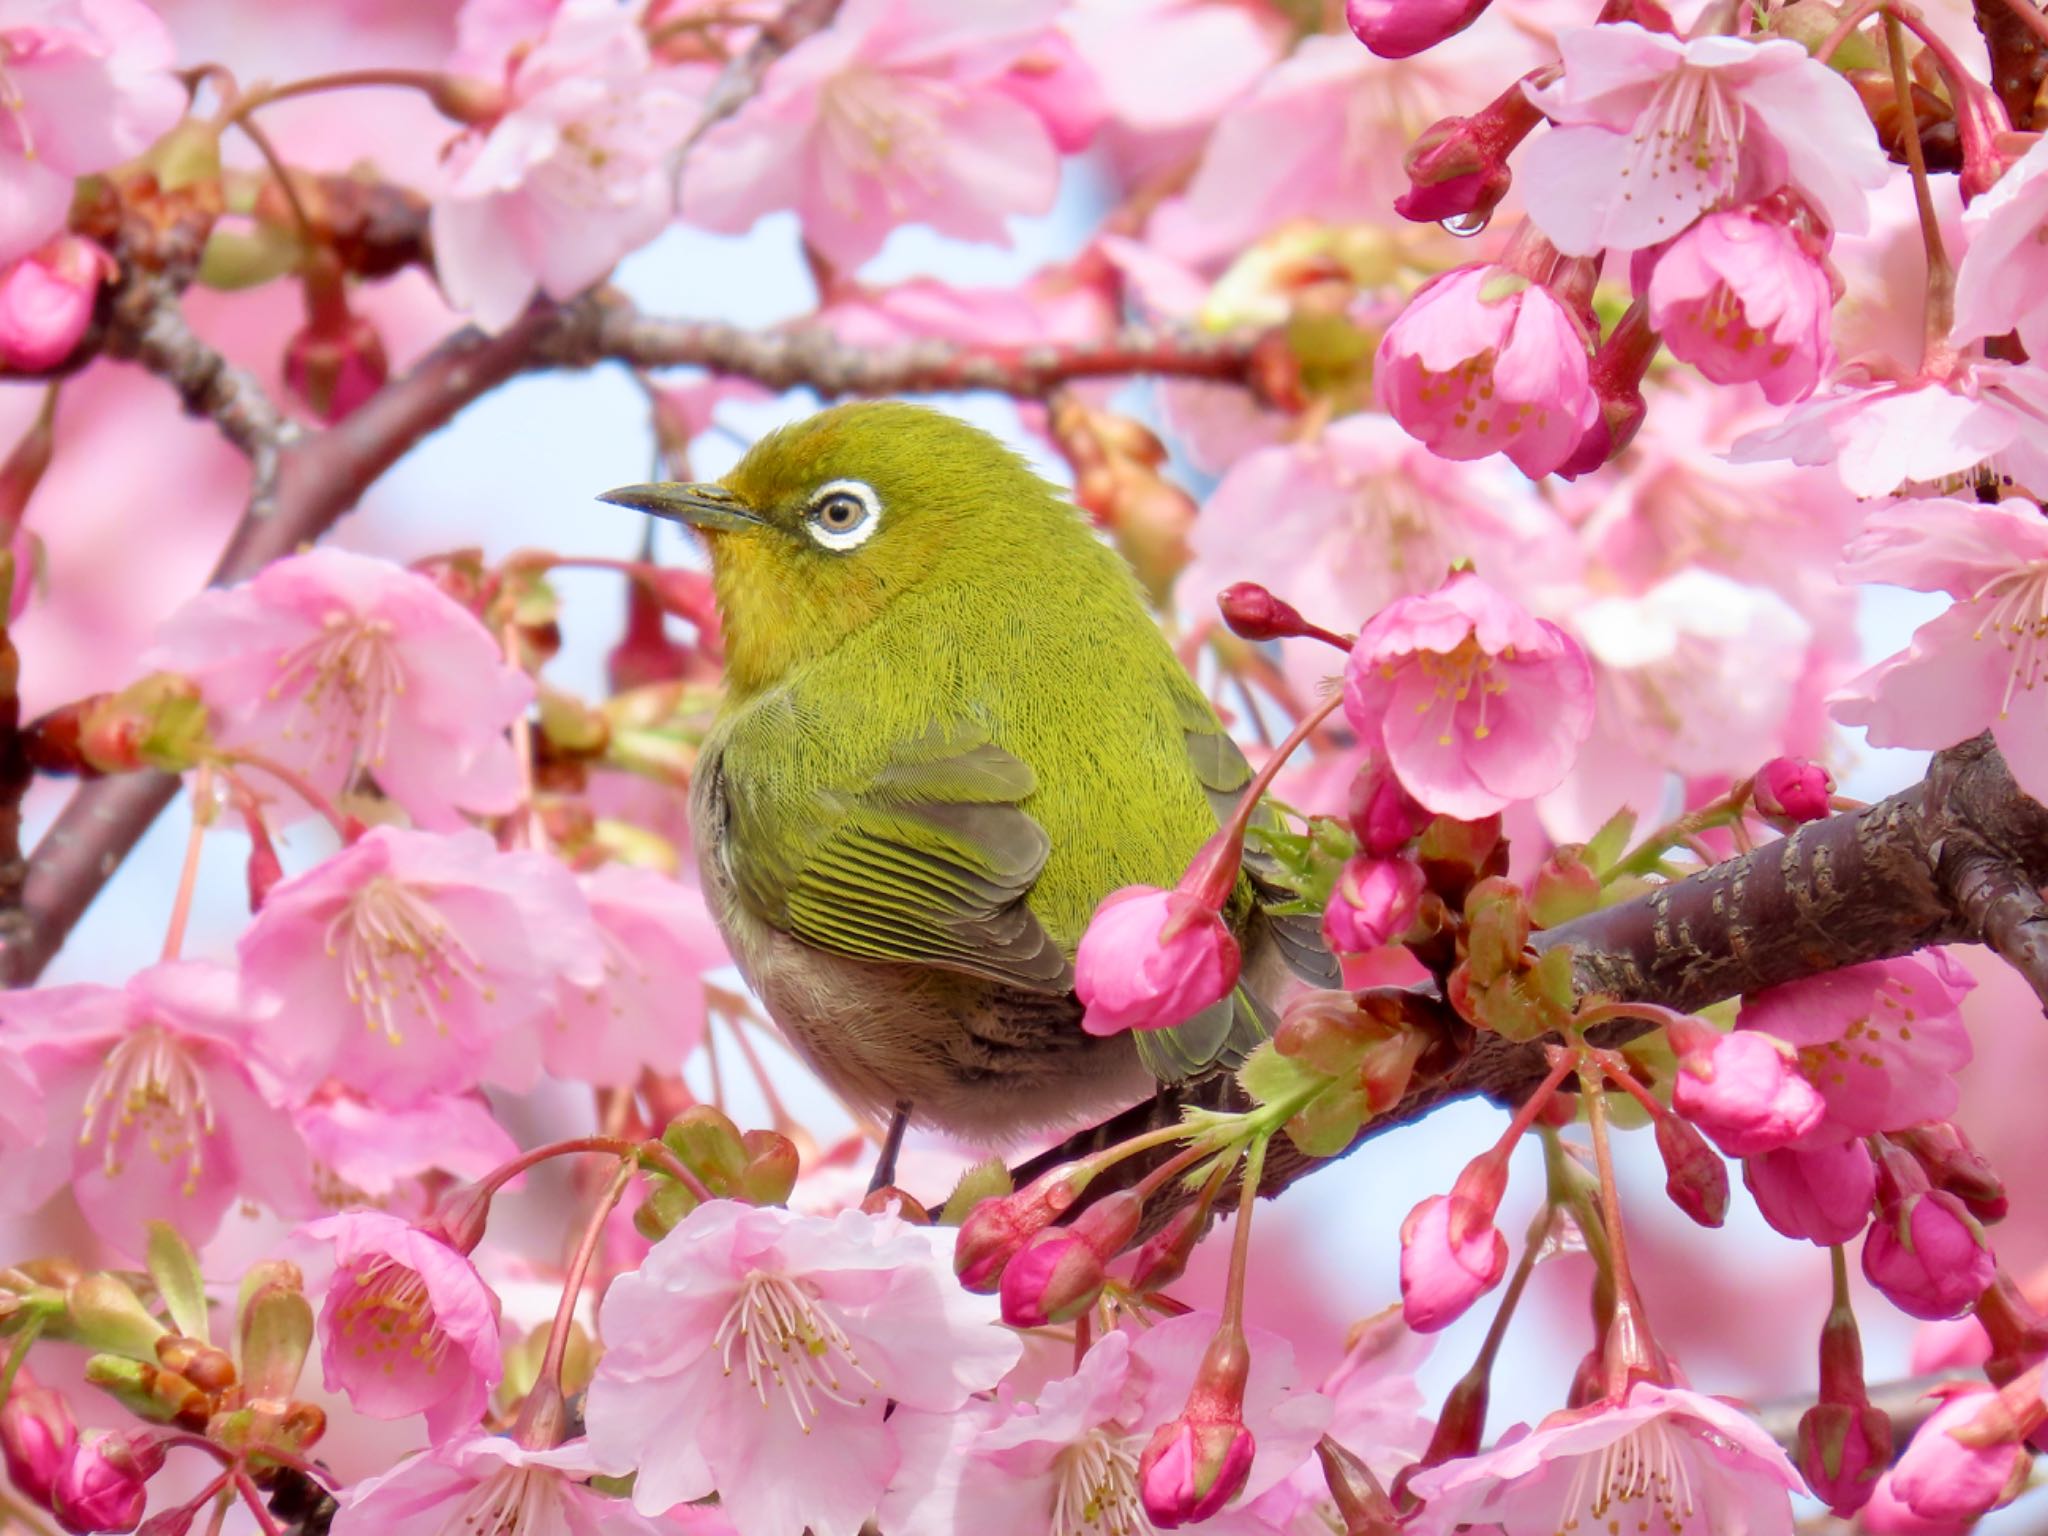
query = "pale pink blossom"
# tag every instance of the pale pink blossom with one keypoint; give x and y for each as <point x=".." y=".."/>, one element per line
<point x="492" y="1484"/>
<point x="1741" y="299"/>
<point x="1482" y="361"/>
<point x="415" y="963"/>
<point x="1653" y="131"/>
<point x="1443" y="1272"/>
<point x="46" y="301"/>
<point x="153" y="1101"/>
<point x="1347" y="520"/>
<point x="572" y="174"/>
<point x="1475" y="703"/>
<point x="1882" y="434"/>
<point x="1151" y="959"/>
<point x="350" y="668"/>
<point x="1978" y="665"/>
<point x="1673" y="1460"/>
<point x="754" y="1351"/>
<point x="1168" y="66"/>
<point x="895" y="114"/>
<point x="1747" y="1093"/>
<point x="2002" y="284"/>
<point x="377" y="1154"/>
<point x="89" y="85"/>
<point x="1064" y="1461"/>
<point x="1320" y="136"/>
<point x="658" y="942"/>
<point x="1880" y="1042"/>
<point x="1823" y="1193"/>
<point x="1938" y="1477"/>
<point x="1373" y="902"/>
<point x="408" y="1325"/>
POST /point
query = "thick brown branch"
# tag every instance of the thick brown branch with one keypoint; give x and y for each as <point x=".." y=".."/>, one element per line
<point x="811" y="355"/>
<point x="2019" y="60"/>
<point x="1863" y="886"/>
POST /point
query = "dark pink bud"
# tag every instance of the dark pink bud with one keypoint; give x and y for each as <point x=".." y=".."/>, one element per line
<point x="1792" y="789"/>
<point x="1398" y="29"/>
<point x="1373" y="903"/>
<point x="1695" y="1176"/>
<point x="1942" y="1475"/>
<point x="1458" y="167"/>
<point x="1053" y="1280"/>
<point x="1384" y="816"/>
<point x="1252" y="613"/>
<point x="1451" y="1255"/>
<point x="1951" y="1163"/>
<point x="996" y="1229"/>
<point x="1843" y="1451"/>
<point x="46" y="301"/>
<point x="1928" y="1255"/>
<point x="37" y="1435"/>
<point x="335" y="364"/>
<point x="104" y="1484"/>
<point x="1196" y="1463"/>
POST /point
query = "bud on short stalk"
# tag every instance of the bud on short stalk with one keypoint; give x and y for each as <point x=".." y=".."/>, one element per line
<point x="1197" y="1462"/>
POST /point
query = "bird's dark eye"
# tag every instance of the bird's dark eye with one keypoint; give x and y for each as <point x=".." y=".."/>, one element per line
<point x="843" y="514"/>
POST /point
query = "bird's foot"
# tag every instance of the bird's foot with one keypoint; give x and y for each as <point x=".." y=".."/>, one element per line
<point x="892" y="1143"/>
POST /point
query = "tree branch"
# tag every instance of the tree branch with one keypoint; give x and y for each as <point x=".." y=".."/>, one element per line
<point x="1868" y="885"/>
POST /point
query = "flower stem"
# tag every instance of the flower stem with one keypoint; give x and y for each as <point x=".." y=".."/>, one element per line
<point x="1531" y="1107"/>
<point x="549" y="1389"/>
<point x="1941" y="277"/>
<point x="188" y="874"/>
<point x="432" y="83"/>
<point x="281" y="173"/>
<point x="1241" y="1237"/>
<point x="652" y="1152"/>
<point x="253" y="1497"/>
<point x="1628" y="1347"/>
<point x="345" y="827"/>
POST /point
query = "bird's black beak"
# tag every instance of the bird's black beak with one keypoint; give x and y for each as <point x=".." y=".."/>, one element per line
<point x="701" y="506"/>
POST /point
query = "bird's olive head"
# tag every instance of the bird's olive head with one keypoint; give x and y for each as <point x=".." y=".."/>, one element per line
<point x="824" y="523"/>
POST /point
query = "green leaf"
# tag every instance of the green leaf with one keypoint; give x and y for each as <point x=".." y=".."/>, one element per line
<point x="1270" y="1077"/>
<point x="1329" y="1122"/>
<point x="175" y="1269"/>
<point x="1611" y="841"/>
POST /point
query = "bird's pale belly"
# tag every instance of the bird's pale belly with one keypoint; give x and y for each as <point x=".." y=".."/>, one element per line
<point x="985" y="1061"/>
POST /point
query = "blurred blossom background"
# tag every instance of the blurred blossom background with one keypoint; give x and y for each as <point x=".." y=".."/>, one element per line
<point x="140" y="499"/>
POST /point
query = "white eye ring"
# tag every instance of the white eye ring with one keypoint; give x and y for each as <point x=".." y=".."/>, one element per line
<point x="843" y="514"/>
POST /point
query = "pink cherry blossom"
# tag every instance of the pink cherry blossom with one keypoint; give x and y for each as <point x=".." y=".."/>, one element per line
<point x="1443" y="1273"/>
<point x="408" y="1325"/>
<point x="1928" y="1255"/>
<point x="89" y="85"/>
<point x="1978" y="665"/>
<point x="1938" y="1477"/>
<point x="893" y="115"/>
<point x="491" y="1483"/>
<point x="1653" y="131"/>
<point x="1151" y="959"/>
<point x="1373" y="903"/>
<point x="1739" y="298"/>
<point x="1064" y="1461"/>
<point x="416" y="964"/>
<point x="753" y="1352"/>
<point x="351" y="668"/>
<point x="2002" y="284"/>
<point x="1881" y="434"/>
<point x="1482" y="361"/>
<point x="572" y="174"/>
<point x="1345" y="522"/>
<point x="152" y="1101"/>
<point x="1165" y="66"/>
<point x="1881" y="1042"/>
<point x="1475" y="703"/>
<point x="1823" y="1194"/>
<point x="1747" y="1093"/>
<point x="1054" y="308"/>
<point x="378" y="1155"/>
<point x="1682" y="1462"/>
<point x="46" y="301"/>
<point x="1887" y="1515"/>
<point x="658" y="942"/>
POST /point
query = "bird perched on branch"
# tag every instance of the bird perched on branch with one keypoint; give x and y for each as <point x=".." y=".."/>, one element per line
<point x="950" y="729"/>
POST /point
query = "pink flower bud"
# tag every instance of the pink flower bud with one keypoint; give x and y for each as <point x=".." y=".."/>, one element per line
<point x="1252" y="613"/>
<point x="1399" y="29"/>
<point x="1458" y="167"/>
<point x="46" y="301"/>
<point x="1843" y="1451"/>
<point x="1928" y="1255"/>
<point x="1695" y="1177"/>
<point x="1740" y="297"/>
<point x="37" y="1435"/>
<point x="1053" y="1280"/>
<point x="336" y="365"/>
<point x="996" y="1229"/>
<point x="1383" y="815"/>
<point x="1792" y="789"/>
<point x="1373" y="903"/>
<point x="1151" y="959"/>
<point x="1940" y="1478"/>
<point x="1746" y="1091"/>
<point x="1442" y="1272"/>
<point x="104" y="1483"/>
<point x="1822" y="1194"/>
<point x="1191" y="1470"/>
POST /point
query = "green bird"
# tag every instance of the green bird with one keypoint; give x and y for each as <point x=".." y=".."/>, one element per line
<point x="950" y="729"/>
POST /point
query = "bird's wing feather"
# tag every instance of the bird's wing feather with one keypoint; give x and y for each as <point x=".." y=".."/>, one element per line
<point x="929" y="863"/>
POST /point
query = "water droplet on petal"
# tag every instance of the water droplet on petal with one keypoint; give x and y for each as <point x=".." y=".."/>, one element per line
<point x="1466" y="225"/>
